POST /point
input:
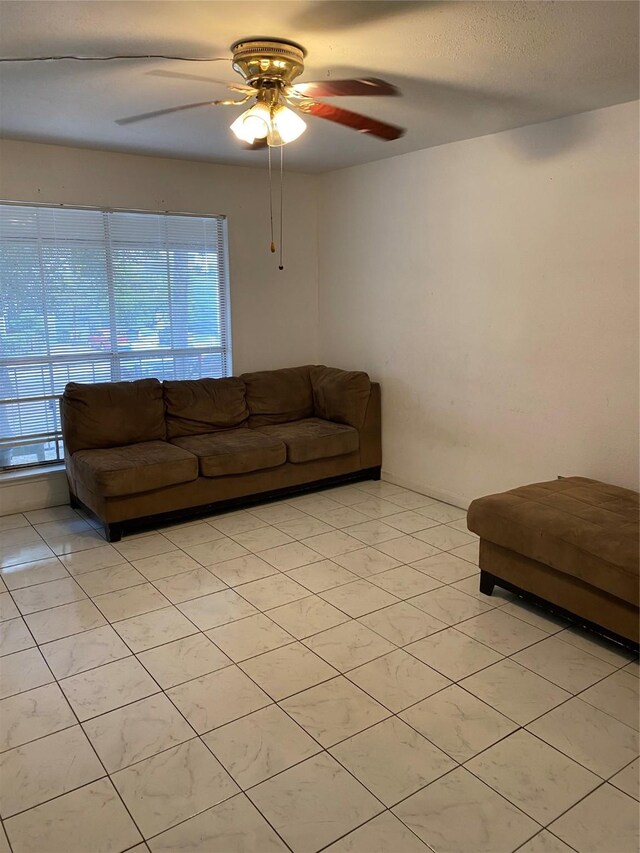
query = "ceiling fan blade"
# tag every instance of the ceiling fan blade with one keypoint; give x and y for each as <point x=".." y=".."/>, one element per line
<point x="356" y="121"/>
<point x="155" y="113"/>
<point x="176" y="75"/>
<point x="334" y="88"/>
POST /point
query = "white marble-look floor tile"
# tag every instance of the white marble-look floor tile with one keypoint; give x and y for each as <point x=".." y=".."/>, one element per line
<point x="102" y="557"/>
<point x="411" y="500"/>
<point x="165" y="565"/>
<point x="27" y="574"/>
<point x="137" y="731"/>
<point x="304" y="527"/>
<point x="154" y="629"/>
<point x="15" y="636"/>
<point x="107" y="687"/>
<point x="383" y="834"/>
<point x="341" y="517"/>
<point x="192" y="534"/>
<point x="58" y="622"/>
<point x="366" y="562"/>
<point x="133" y="601"/>
<point x="261" y="539"/>
<point x="533" y="776"/>
<point x="46" y="768"/>
<point x="536" y="616"/>
<point x="333" y="544"/>
<point x="243" y="570"/>
<point x="272" y="591"/>
<point x="502" y="632"/>
<point x="314" y="803"/>
<point x="402" y="623"/>
<point x="172" y="786"/>
<point x="23" y="671"/>
<point x="605" y="820"/>
<point x="405" y="582"/>
<point x="258" y="746"/>
<point x="409" y="521"/>
<point x="498" y="598"/>
<point x="616" y="695"/>
<point x="33" y="714"/>
<point x="628" y="779"/>
<point x="69" y="535"/>
<point x="183" y="660"/>
<point x="633" y="667"/>
<point x="92" y="648"/>
<point x="360" y="597"/>
<point x="141" y="547"/>
<point x="249" y="637"/>
<point x="589" y="736"/>
<point x="217" y="698"/>
<point x="597" y="646"/>
<point x="450" y="605"/>
<point x="458" y="813"/>
<point x="307" y="616"/>
<point x="545" y="842"/>
<point x="445" y="567"/>
<point x="376" y="507"/>
<point x="564" y="665"/>
<point x="326" y="574"/>
<point x="373" y="532"/>
<point x="407" y="549"/>
<point x="8" y="609"/>
<point x="22" y="545"/>
<point x="392" y="760"/>
<point x="397" y="680"/>
<point x="290" y="556"/>
<point x="287" y="670"/>
<point x="90" y="818"/>
<point x="443" y="537"/>
<point x="210" y="553"/>
<point x="349" y="645"/>
<point x="459" y="723"/>
<point x="515" y="691"/>
<point x="188" y="585"/>
<point x="11" y="522"/>
<point x="277" y="513"/>
<point x="210" y="611"/>
<point x="235" y="522"/>
<point x="110" y="579"/>
<point x="453" y="654"/>
<point x="443" y="513"/>
<point x="471" y="553"/>
<point x="42" y="596"/>
<point x="234" y="826"/>
<point x="334" y="710"/>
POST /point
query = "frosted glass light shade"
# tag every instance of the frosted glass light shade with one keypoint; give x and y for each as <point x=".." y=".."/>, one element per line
<point x="253" y="124"/>
<point x="287" y="124"/>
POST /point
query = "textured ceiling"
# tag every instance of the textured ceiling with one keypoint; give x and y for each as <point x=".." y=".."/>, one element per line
<point x="465" y="69"/>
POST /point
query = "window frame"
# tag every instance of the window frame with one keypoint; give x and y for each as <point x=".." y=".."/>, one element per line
<point x="224" y="289"/>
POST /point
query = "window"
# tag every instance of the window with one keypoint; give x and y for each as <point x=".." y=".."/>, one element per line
<point x="102" y="296"/>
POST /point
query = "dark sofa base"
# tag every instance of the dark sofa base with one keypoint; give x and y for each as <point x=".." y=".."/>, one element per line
<point x="115" y="530"/>
<point x="563" y="594"/>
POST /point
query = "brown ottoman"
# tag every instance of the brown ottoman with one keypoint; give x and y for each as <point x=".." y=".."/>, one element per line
<point x="572" y="542"/>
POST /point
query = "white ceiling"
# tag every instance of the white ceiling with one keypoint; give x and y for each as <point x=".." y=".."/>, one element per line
<point x="465" y="69"/>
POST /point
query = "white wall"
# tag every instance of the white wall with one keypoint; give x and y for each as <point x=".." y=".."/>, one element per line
<point x="273" y="314"/>
<point x="491" y="285"/>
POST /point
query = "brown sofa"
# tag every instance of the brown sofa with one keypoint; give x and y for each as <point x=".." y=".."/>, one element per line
<point x="145" y="448"/>
<point x="571" y="542"/>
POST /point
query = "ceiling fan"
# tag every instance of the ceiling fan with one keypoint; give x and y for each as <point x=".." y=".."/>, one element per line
<point x="269" y="67"/>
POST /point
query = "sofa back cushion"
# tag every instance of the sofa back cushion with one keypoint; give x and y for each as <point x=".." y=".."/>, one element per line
<point x="112" y="414"/>
<point x="340" y="395"/>
<point x="278" y="396"/>
<point x="196" y="406"/>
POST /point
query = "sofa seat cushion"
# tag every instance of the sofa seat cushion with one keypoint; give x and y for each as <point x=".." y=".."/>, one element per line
<point x="233" y="451"/>
<point x="313" y="438"/>
<point x="143" y="467"/>
<point x="578" y="526"/>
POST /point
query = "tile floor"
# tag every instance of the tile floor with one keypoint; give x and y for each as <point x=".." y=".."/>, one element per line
<point x="319" y="673"/>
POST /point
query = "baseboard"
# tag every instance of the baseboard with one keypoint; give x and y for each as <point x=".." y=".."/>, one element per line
<point x="426" y="489"/>
<point x="21" y="491"/>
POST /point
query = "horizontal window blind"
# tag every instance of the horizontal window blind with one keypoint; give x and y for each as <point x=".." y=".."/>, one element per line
<point x="102" y="296"/>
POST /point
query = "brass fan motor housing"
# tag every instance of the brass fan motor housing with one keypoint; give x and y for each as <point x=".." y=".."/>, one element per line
<point x="268" y="61"/>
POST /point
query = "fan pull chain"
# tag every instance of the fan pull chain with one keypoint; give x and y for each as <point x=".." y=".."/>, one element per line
<point x="281" y="265"/>
<point x="273" y="245"/>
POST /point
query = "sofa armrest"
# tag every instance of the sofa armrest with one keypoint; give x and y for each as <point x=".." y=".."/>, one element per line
<point x="371" y="431"/>
<point x="340" y="395"/>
